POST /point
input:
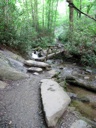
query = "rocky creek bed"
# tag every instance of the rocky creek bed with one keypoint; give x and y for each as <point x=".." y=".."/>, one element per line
<point x="20" y="99"/>
<point x="83" y="98"/>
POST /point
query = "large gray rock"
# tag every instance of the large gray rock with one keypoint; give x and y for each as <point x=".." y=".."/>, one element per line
<point x="11" y="66"/>
<point x="55" y="101"/>
<point x="74" y="76"/>
<point x="86" y="83"/>
<point x="80" y="124"/>
<point x="11" y="74"/>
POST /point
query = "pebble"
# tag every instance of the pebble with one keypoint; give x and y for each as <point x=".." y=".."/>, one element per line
<point x="35" y="73"/>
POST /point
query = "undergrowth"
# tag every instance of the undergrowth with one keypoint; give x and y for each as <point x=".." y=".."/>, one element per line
<point x="81" y="42"/>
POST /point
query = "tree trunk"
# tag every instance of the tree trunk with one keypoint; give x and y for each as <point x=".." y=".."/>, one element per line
<point x="71" y="11"/>
<point x="55" y="17"/>
<point x="36" y="14"/>
<point x="80" y="9"/>
<point x="33" y="19"/>
<point x="43" y="16"/>
<point x="48" y="56"/>
<point x="49" y="11"/>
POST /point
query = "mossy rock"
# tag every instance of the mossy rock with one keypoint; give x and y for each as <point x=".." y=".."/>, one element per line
<point x="85" y="109"/>
<point x="11" y="74"/>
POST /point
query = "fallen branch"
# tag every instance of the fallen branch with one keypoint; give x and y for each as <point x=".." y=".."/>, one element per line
<point x="72" y="5"/>
<point x="49" y="56"/>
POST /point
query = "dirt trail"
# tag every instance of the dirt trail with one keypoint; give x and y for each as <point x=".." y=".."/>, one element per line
<point x="21" y="107"/>
<point x="21" y="104"/>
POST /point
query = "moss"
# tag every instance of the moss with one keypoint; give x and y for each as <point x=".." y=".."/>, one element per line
<point x="85" y="109"/>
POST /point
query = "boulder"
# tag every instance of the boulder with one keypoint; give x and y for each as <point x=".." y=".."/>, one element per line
<point x="86" y="83"/>
<point x="80" y="124"/>
<point x="35" y="69"/>
<point x="79" y="77"/>
<point x="36" y="63"/>
<point x="52" y="73"/>
<point x="55" y="101"/>
<point x="73" y="96"/>
<point x="17" y="65"/>
<point x="11" y="74"/>
<point x="2" y="85"/>
<point x="84" y="99"/>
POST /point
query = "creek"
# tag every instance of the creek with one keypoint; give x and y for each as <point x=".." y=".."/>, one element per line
<point x="84" y="100"/>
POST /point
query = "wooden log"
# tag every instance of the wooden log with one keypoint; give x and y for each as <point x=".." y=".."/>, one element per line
<point x="36" y="64"/>
<point x="49" y="56"/>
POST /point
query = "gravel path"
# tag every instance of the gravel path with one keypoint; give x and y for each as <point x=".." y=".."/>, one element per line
<point x="21" y="104"/>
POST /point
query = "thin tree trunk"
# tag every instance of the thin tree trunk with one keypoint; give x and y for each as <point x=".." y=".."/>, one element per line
<point x="71" y="11"/>
<point x="43" y="16"/>
<point x="55" y="17"/>
<point x="49" y="11"/>
<point x="6" y="12"/>
<point x="32" y="9"/>
<point x="52" y="14"/>
<point x="80" y="8"/>
<point x="36" y="14"/>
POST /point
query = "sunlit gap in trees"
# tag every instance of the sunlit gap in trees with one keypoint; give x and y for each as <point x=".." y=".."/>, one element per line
<point x="62" y="8"/>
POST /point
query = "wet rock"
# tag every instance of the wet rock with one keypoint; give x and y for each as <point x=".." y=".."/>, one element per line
<point x="48" y="68"/>
<point x="61" y="67"/>
<point x="80" y="124"/>
<point x="52" y="73"/>
<point x="49" y="61"/>
<point x="77" y="77"/>
<point x="62" y="84"/>
<point x="73" y="96"/>
<point x="92" y="123"/>
<point x="55" y="101"/>
<point x="17" y="65"/>
<point x="11" y="74"/>
<point x="89" y="70"/>
<point x="3" y="85"/>
<point x="84" y="99"/>
<point x="93" y="105"/>
<point x="89" y="84"/>
<point x="34" y="69"/>
<point x="71" y="109"/>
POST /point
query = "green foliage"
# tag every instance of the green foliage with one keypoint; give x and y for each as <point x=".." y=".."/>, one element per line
<point x="81" y="42"/>
<point x="23" y="28"/>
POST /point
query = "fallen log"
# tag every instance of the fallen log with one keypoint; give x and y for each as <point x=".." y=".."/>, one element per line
<point x="36" y="64"/>
<point x="85" y="83"/>
<point x="49" y="56"/>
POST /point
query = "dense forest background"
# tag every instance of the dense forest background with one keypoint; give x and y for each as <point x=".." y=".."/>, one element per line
<point x="25" y="24"/>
